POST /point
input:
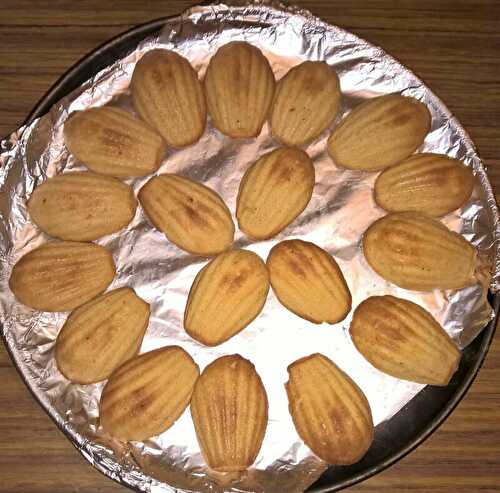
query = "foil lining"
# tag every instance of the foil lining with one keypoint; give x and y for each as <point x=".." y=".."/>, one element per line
<point x="341" y="208"/>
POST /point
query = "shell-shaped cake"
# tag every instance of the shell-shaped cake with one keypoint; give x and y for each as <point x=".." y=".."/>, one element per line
<point x="433" y="184"/>
<point x="402" y="339"/>
<point x="226" y="295"/>
<point x="168" y="95"/>
<point x="101" y="335"/>
<point x="147" y="394"/>
<point x="330" y="412"/>
<point x="112" y="142"/>
<point x="379" y="133"/>
<point x="229" y="411"/>
<point x="306" y="102"/>
<point x="274" y="191"/>
<point x="239" y="86"/>
<point x="82" y="206"/>
<point x="190" y="214"/>
<point x="417" y="252"/>
<point x="62" y="275"/>
<point x="307" y="280"/>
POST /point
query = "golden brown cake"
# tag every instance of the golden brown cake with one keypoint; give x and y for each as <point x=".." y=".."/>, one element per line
<point x="82" y="206"/>
<point x="379" y="133"/>
<point x="62" y="275"/>
<point x="112" y="142"/>
<point x="330" y="412"/>
<point x="306" y="102"/>
<point x="190" y="214"/>
<point x="239" y="86"/>
<point x="168" y="96"/>
<point x="308" y="281"/>
<point x="429" y="183"/>
<point x="147" y="394"/>
<point x="226" y="295"/>
<point x="274" y="191"/>
<point x="101" y="335"/>
<point x="419" y="253"/>
<point x="402" y="339"/>
<point x="229" y="410"/>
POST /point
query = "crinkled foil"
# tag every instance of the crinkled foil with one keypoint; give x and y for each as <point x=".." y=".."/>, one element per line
<point x="341" y="208"/>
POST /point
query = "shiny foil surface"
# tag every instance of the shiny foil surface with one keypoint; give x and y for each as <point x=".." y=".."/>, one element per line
<point x="341" y="209"/>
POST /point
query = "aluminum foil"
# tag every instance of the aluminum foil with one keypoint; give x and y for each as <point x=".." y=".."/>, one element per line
<point x="341" y="208"/>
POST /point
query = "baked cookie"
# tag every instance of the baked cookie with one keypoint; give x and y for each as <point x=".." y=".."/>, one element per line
<point x="62" y="275"/>
<point x="379" y="133"/>
<point x="417" y="252"/>
<point x="274" y="191"/>
<point x="330" y="412"/>
<point x="226" y="295"/>
<point x="229" y="411"/>
<point x="101" y="335"/>
<point x="168" y="95"/>
<point x="307" y="280"/>
<point x="82" y="206"/>
<point x="112" y="142"/>
<point x="402" y="339"/>
<point x="306" y="102"/>
<point x="239" y="86"/>
<point x="191" y="215"/>
<point x="429" y="183"/>
<point x="147" y="394"/>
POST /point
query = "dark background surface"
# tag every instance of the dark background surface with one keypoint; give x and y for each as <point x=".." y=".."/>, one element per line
<point x="454" y="46"/>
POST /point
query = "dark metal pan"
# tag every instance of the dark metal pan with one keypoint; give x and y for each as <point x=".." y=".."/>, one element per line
<point x="421" y="416"/>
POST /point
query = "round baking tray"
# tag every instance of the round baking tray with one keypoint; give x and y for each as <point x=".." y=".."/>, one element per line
<point x="421" y="416"/>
